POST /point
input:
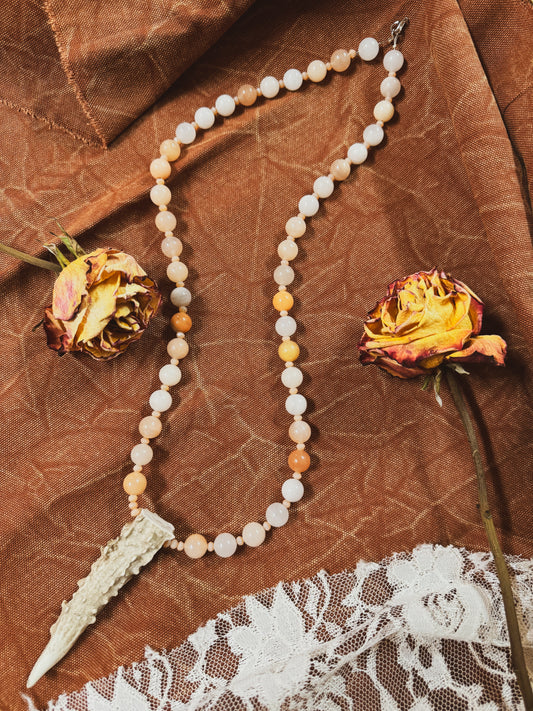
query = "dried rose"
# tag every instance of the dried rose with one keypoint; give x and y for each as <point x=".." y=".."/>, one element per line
<point x="101" y="303"/>
<point x="425" y="320"/>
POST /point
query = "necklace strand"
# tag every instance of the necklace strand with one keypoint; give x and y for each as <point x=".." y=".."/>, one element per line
<point x="292" y="490"/>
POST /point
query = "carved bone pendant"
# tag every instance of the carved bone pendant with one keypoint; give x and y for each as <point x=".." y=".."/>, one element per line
<point x="120" y="560"/>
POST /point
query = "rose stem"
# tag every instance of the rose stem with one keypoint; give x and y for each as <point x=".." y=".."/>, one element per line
<point x="517" y="652"/>
<point x="29" y="259"/>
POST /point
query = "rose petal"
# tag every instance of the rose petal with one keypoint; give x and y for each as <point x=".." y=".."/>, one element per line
<point x="101" y="307"/>
<point x="481" y="348"/>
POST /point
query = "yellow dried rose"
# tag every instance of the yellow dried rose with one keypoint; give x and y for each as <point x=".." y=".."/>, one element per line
<point x="102" y="302"/>
<point x="425" y="320"/>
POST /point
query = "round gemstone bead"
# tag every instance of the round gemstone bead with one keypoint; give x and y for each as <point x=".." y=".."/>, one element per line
<point x="383" y="111"/>
<point x="296" y="404"/>
<point x="225" y="545"/>
<point x="288" y="249"/>
<point x="150" y="426"/>
<point x="269" y="87"/>
<point x="285" y="326"/>
<point x="317" y="70"/>
<point x="283" y="301"/>
<point x="160" y="168"/>
<point x="134" y="483"/>
<point x="225" y="105"/>
<point x="289" y="351"/>
<point x="277" y="515"/>
<point x="185" y="132"/>
<point x="170" y="149"/>
<point x="323" y="186"/>
<point x="160" y="401"/>
<point x="373" y="134"/>
<point x="253" y="534"/>
<point x="340" y="60"/>
<point x="390" y="86"/>
<point x="181" y="322"/>
<point x="165" y="221"/>
<point x="247" y="94"/>
<point x="308" y="205"/>
<point x="284" y="274"/>
<point x="171" y="247"/>
<point x="142" y="454"/>
<point x="292" y="79"/>
<point x="292" y="490"/>
<point x="299" y="431"/>
<point x="340" y="169"/>
<point x="170" y="374"/>
<point x="393" y="60"/>
<point x="180" y="296"/>
<point x="357" y="153"/>
<point x="368" y="49"/>
<point x="299" y="461"/>
<point x="177" y="348"/>
<point x="160" y="195"/>
<point x="177" y="271"/>
<point x="195" y="545"/>
<point x="292" y="377"/>
<point x="295" y="227"/>
<point x="204" y="117"/>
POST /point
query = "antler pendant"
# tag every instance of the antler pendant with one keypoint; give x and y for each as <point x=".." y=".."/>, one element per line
<point x="120" y="560"/>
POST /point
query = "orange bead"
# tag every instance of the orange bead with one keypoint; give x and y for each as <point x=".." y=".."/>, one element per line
<point x="181" y="322"/>
<point x="299" y="460"/>
<point x="283" y="301"/>
<point x="247" y="94"/>
<point x="289" y="350"/>
<point x="134" y="483"/>
<point x="195" y="545"/>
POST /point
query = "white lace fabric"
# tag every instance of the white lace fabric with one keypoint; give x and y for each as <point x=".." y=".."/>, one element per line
<point x="423" y="631"/>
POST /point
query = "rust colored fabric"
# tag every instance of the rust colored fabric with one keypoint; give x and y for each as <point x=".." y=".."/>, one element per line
<point x="449" y="187"/>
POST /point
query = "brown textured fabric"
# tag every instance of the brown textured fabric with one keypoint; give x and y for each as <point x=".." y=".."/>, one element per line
<point x="448" y="187"/>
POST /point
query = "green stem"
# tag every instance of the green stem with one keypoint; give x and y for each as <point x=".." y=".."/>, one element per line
<point x="29" y="259"/>
<point x="517" y="651"/>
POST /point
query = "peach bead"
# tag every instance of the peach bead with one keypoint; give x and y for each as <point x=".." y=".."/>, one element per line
<point x="150" y="426"/>
<point x="160" y="168"/>
<point x="289" y="350"/>
<point x="177" y="271"/>
<point x="134" y="483"/>
<point x="247" y="94"/>
<point x="195" y="545"/>
<point x="295" y="227"/>
<point x="299" y="460"/>
<point x="340" y="169"/>
<point x="316" y="71"/>
<point x="160" y="195"/>
<point x="181" y="322"/>
<point x="177" y="348"/>
<point x="253" y="534"/>
<point x="299" y="431"/>
<point x="340" y="60"/>
<point x="383" y="111"/>
<point x="283" y="301"/>
<point x="170" y="149"/>
<point x="165" y="221"/>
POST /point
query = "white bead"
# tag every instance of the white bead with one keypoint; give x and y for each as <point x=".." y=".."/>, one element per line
<point x="277" y="515"/>
<point x="284" y="275"/>
<point x="170" y="374"/>
<point x="390" y="86"/>
<point x="185" y="132"/>
<point x="204" y="117"/>
<point x="269" y="87"/>
<point x="160" y="195"/>
<point x="393" y="60"/>
<point x="292" y="79"/>
<point x="142" y="454"/>
<point x="225" y="545"/>
<point x="368" y="49"/>
<point x="160" y="400"/>
<point x="288" y="249"/>
<point x="296" y="404"/>
<point x="357" y="153"/>
<point x="292" y="377"/>
<point x="292" y="490"/>
<point x="308" y="205"/>
<point x="180" y="296"/>
<point x="225" y="105"/>
<point x="323" y="186"/>
<point x="285" y="326"/>
<point x="373" y="134"/>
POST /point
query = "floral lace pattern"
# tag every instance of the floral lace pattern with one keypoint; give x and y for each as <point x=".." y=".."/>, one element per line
<point x="423" y="631"/>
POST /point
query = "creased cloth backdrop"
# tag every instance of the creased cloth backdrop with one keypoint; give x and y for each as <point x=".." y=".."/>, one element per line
<point x="87" y="92"/>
